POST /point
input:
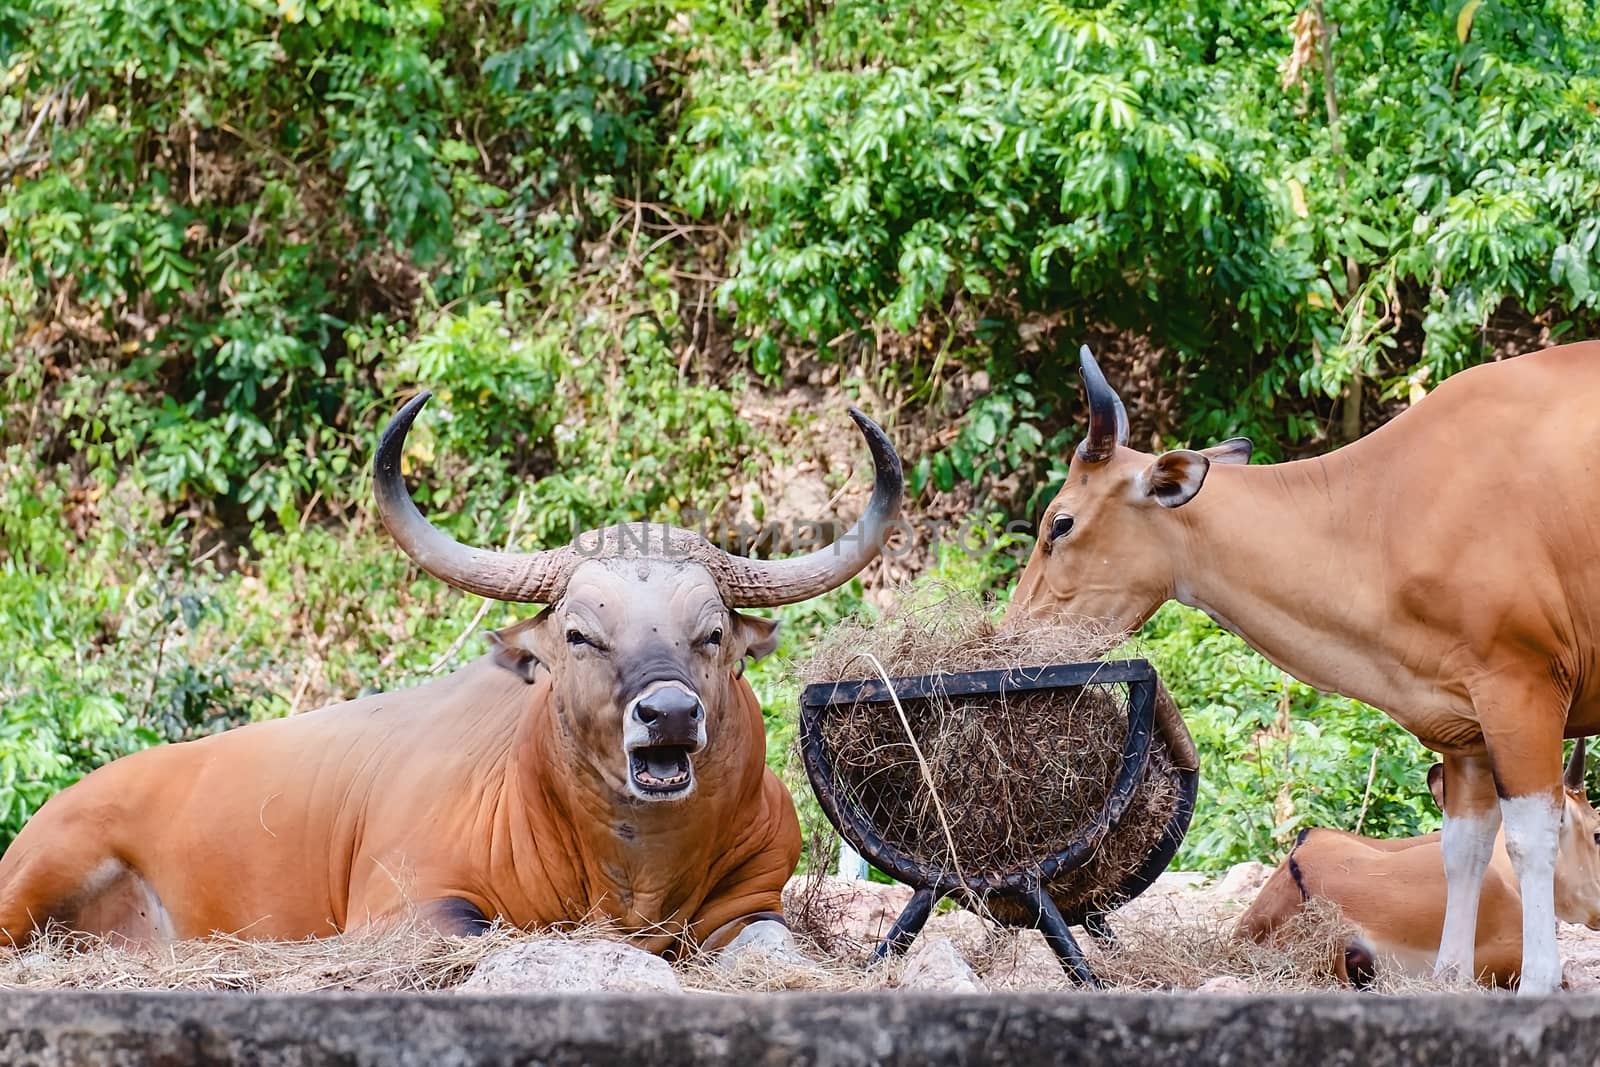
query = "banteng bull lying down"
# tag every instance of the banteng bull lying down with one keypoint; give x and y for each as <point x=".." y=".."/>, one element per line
<point x="1393" y="892"/>
<point x="606" y="762"/>
<point x="1445" y="568"/>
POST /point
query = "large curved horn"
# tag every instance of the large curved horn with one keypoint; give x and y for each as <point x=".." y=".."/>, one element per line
<point x="1573" y="778"/>
<point x="533" y="578"/>
<point x="1108" y="419"/>
<point x="749" y="583"/>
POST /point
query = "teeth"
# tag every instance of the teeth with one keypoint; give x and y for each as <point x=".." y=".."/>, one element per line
<point x="660" y="770"/>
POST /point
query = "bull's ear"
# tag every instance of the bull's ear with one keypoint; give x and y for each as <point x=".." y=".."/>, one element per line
<point x="760" y="635"/>
<point x="1175" y="477"/>
<point x="1233" y="450"/>
<point x="1436" y="784"/>
<point x="514" y="647"/>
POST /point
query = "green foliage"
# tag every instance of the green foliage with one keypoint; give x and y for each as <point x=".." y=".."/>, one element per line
<point x="1043" y="156"/>
<point x="235" y="235"/>
<point x="1277" y="756"/>
<point x="1141" y="165"/>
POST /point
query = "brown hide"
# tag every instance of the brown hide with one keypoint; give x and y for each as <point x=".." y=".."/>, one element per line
<point x="606" y="763"/>
<point x="1393" y="892"/>
<point x="1445" y="568"/>
<point x="354" y="814"/>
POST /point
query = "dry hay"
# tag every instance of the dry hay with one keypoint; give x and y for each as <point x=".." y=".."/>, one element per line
<point x="1164" y="953"/>
<point x="992" y="785"/>
<point x="410" y="957"/>
<point x="1157" y="949"/>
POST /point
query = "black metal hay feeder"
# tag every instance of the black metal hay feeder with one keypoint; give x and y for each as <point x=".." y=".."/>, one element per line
<point x="1025" y="888"/>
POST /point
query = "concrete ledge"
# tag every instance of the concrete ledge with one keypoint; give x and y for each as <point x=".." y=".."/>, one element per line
<point x="44" y="1029"/>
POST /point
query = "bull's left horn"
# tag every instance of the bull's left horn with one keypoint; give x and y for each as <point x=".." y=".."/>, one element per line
<point x="532" y="578"/>
<point x="1108" y="419"/>
<point x="1573" y="778"/>
<point x="750" y="583"/>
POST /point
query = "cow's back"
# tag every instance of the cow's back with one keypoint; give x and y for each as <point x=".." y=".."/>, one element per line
<point x="255" y="830"/>
<point x="1475" y="521"/>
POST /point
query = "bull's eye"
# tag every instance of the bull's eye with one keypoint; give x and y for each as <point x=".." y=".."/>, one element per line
<point x="713" y="638"/>
<point x="576" y="638"/>
<point x="1060" y="527"/>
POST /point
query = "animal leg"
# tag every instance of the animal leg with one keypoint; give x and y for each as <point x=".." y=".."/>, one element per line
<point x="453" y="915"/>
<point x="84" y="890"/>
<point x="764" y="928"/>
<point x="1527" y="766"/>
<point x="767" y="936"/>
<point x="1471" y="821"/>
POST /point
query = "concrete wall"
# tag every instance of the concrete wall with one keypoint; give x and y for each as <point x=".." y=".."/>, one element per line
<point x="48" y="1029"/>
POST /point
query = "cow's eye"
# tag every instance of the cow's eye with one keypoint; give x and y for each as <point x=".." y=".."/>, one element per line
<point x="714" y="637"/>
<point x="576" y="638"/>
<point x="1060" y="527"/>
<point x="1597" y="837"/>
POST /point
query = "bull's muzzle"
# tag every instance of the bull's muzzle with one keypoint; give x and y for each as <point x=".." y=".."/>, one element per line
<point x="665" y="726"/>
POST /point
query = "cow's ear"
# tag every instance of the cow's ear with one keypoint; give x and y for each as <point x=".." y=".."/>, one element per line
<point x="515" y="647"/>
<point x="760" y="635"/>
<point x="1436" y="784"/>
<point x="1174" y="477"/>
<point x="1233" y="450"/>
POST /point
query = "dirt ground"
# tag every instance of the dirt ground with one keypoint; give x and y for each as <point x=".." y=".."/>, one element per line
<point x="1175" y="936"/>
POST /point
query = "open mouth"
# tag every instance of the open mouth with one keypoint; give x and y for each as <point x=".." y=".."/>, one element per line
<point x="661" y="769"/>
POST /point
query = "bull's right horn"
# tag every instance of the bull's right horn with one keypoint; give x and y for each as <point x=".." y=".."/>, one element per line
<point x="1108" y="419"/>
<point x="1573" y="778"/>
<point x="531" y="578"/>
<point x="750" y="583"/>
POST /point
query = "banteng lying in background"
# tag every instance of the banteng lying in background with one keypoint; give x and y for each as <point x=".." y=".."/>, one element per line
<point x="1444" y="568"/>
<point x="1393" y="892"/>
<point x="606" y="762"/>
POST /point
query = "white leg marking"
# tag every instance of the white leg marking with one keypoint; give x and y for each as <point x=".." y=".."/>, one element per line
<point x="1467" y="842"/>
<point x="1533" y="835"/>
<point x="762" y="943"/>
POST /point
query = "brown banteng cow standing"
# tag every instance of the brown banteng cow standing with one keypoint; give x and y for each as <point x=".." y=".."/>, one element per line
<point x="605" y="762"/>
<point x="1393" y="892"/>
<point x="1445" y="568"/>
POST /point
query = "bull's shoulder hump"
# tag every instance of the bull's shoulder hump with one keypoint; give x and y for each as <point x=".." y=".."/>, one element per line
<point x="475" y="684"/>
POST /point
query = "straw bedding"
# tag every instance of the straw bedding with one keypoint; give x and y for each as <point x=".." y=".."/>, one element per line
<point x="1157" y="950"/>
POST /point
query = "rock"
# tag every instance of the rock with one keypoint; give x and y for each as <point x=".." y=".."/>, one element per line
<point x="935" y="965"/>
<point x="1171" y="882"/>
<point x="1225" y="984"/>
<point x="554" y="965"/>
<point x="858" y="912"/>
<point x="1022" y="960"/>
<point x="759" y="943"/>
<point x="1242" y="880"/>
<point x="968" y="932"/>
<point x="1578" y="978"/>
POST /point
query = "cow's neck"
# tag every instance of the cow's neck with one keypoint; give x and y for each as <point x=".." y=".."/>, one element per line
<point x="1283" y="556"/>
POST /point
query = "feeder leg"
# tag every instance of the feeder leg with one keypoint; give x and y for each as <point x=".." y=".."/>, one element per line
<point x="1097" y="927"/>
<point x="908" y="926"/>
<point x="1060" y="939"/>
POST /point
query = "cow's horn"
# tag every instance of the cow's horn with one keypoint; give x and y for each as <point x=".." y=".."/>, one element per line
<point x="1108" y="419"/>
<point x="533" y="578"/>
<point x="768" y="583"/>
<point x="1573" y="778"/>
